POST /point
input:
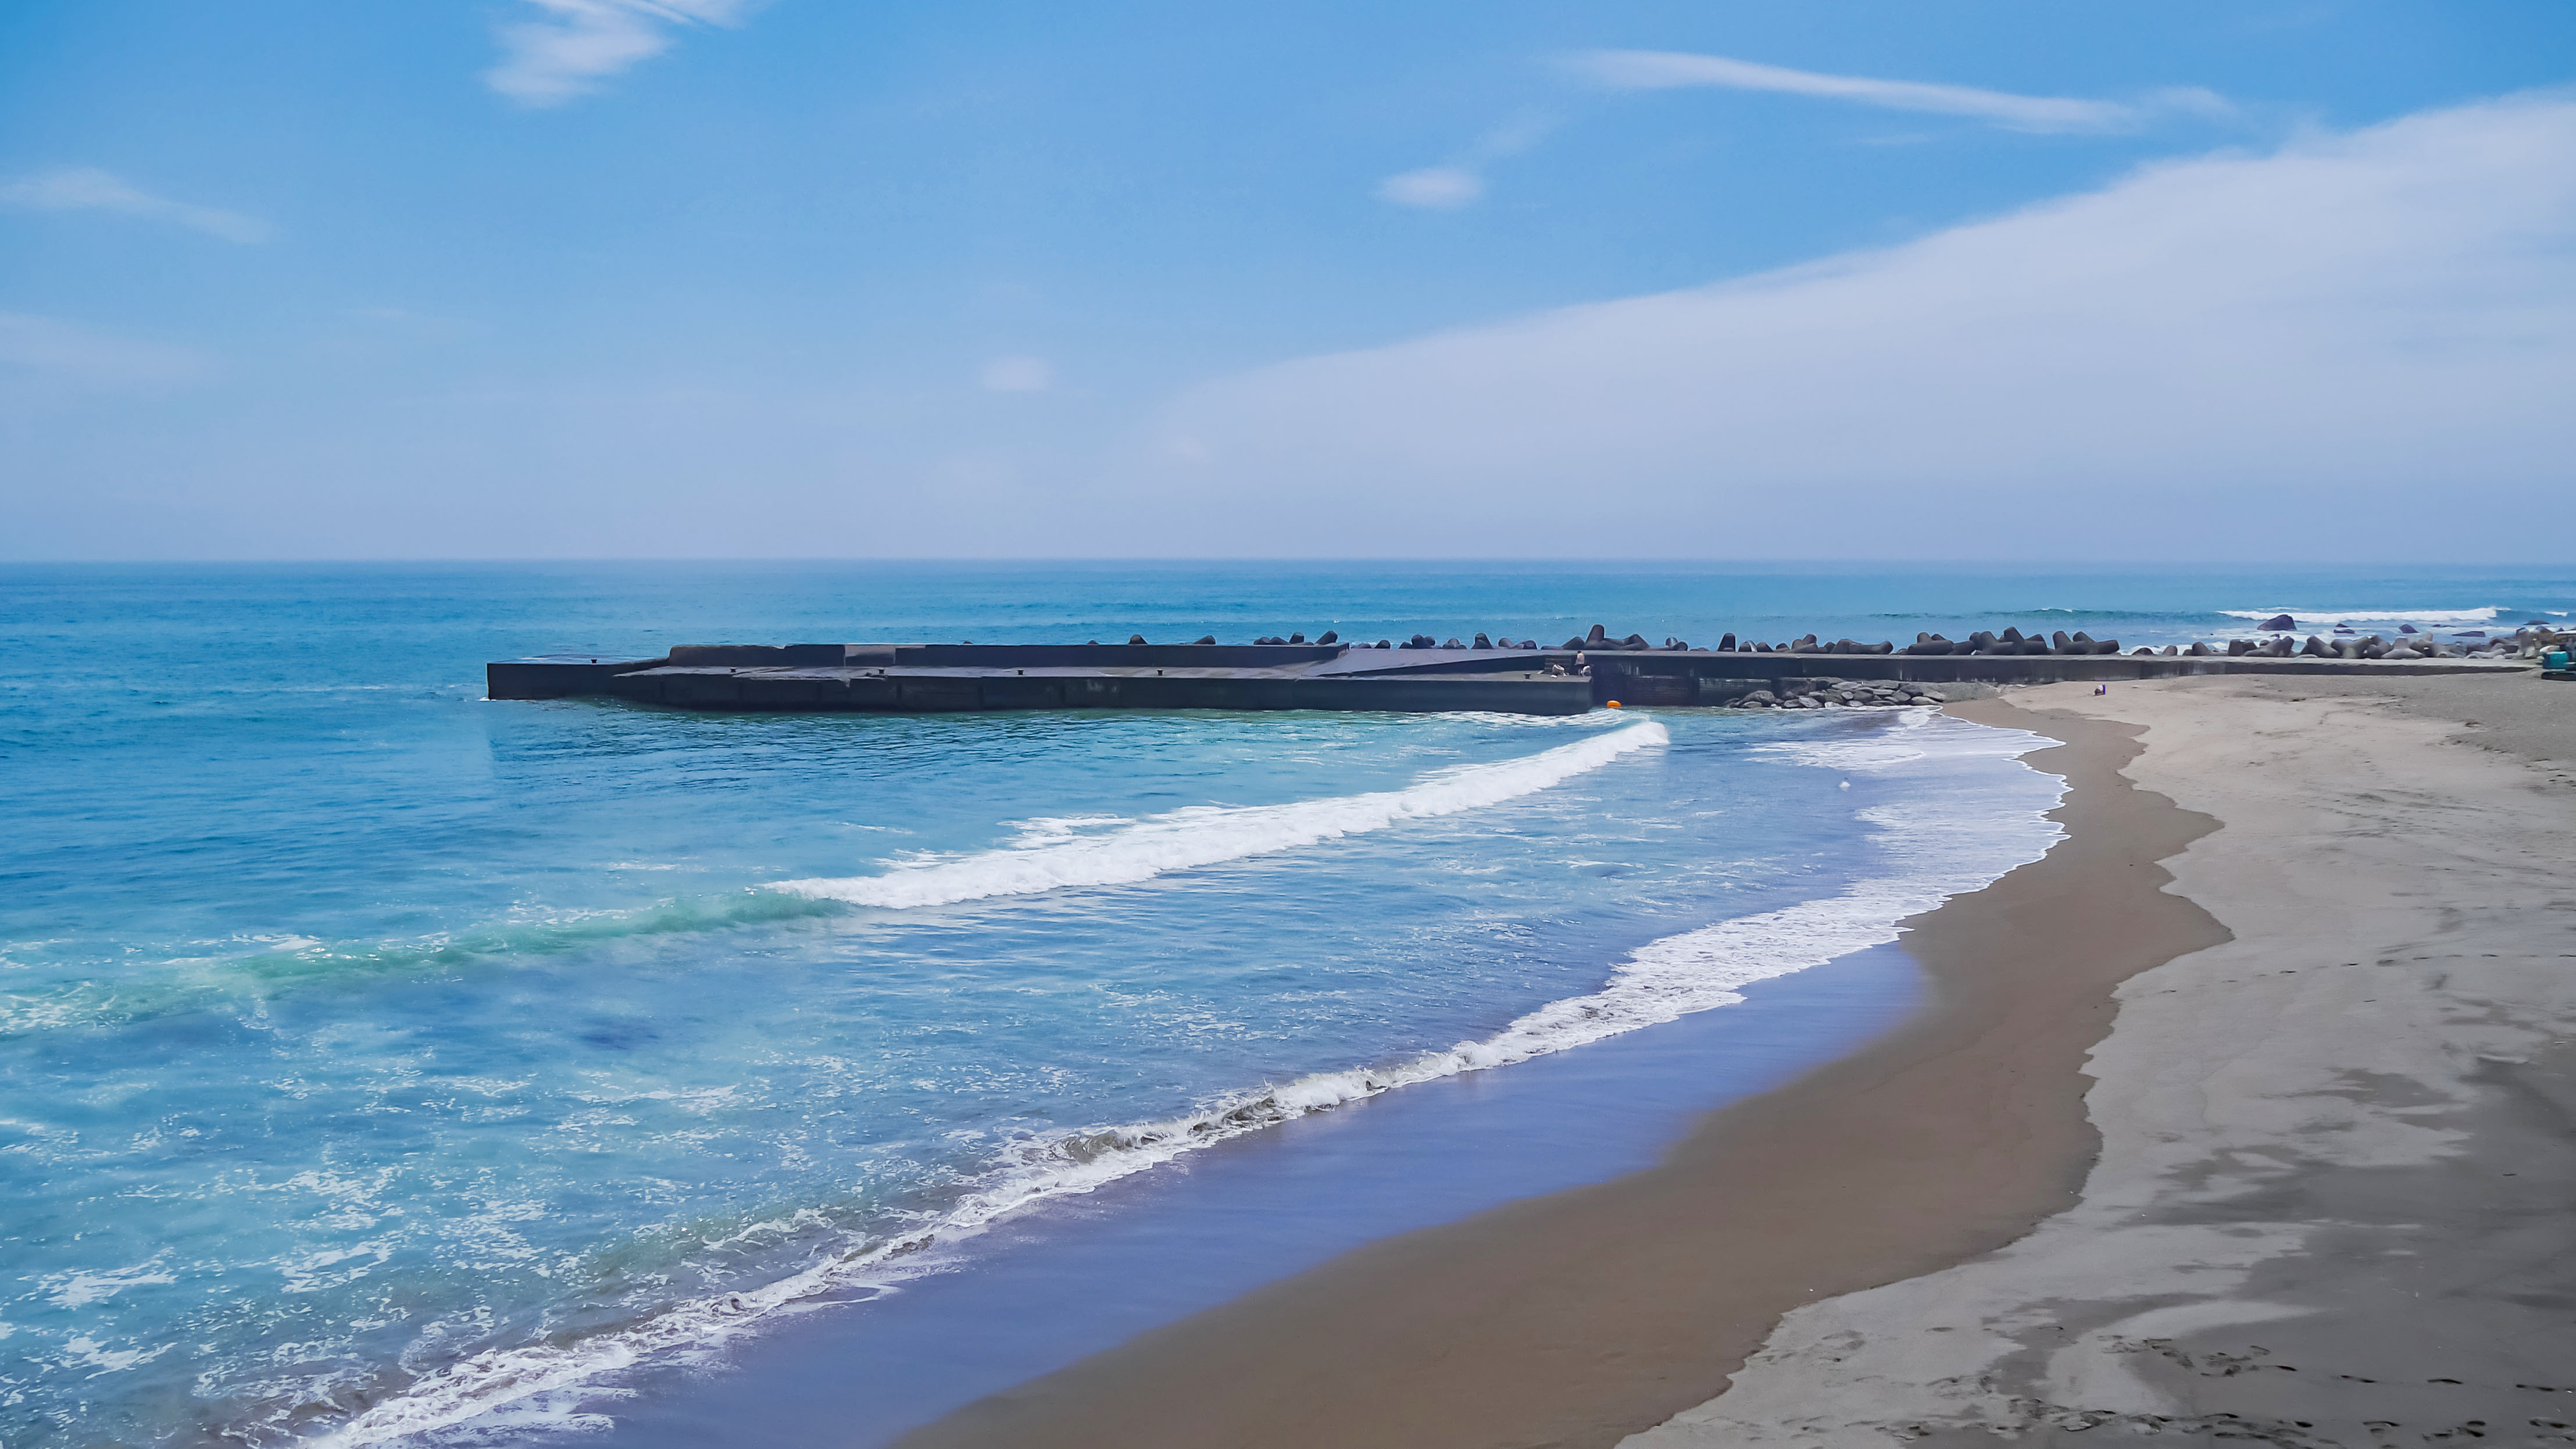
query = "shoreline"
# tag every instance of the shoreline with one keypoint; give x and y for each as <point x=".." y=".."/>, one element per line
<point x="2330" y="1208"/>
<point x="1587" y="1315"/>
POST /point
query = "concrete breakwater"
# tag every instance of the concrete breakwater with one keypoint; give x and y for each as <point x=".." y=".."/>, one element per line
<point x="1508" y="676"/>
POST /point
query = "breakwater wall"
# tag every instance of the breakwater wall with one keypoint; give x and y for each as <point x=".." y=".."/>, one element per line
<point x="1508" y="678"/>
<point x="1723" y="679"/>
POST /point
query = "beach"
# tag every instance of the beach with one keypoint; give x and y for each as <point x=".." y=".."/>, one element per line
<point x="2241" y="1112"/>
<point x="506" y="1068"/>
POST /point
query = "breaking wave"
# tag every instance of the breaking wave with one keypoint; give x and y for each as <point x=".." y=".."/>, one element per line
<point x="2374" y="616"/>
<point x="1930" y="856"/>
<point x="1103" y="851"/>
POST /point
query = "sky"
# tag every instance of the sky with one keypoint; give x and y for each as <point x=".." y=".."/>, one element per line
<point x="2189" y="280"/>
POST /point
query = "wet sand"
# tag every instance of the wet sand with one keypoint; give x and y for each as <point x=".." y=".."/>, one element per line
<point x="1586" y="1316"/>
<point x="2332" y="1202"/>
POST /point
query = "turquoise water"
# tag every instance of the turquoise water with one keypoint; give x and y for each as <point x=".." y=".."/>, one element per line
<point x="372" y="1054"/>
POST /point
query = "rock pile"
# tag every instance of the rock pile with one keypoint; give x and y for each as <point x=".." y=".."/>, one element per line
<point x="2014" y="641"/>
<point x="1830" y="693"/>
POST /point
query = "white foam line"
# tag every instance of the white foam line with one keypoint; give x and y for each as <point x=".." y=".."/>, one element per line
<point x="1933" y="859"/>
<point x="1207" y="835"/>
<point x="2360" y="616"/>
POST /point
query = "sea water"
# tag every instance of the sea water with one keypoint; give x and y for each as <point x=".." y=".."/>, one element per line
<point x="375" y="1057"/>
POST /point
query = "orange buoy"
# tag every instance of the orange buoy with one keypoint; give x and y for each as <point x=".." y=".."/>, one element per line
<point x="1614" y="704"/>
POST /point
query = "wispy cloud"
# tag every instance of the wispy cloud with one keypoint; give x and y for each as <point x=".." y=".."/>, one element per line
<point x="1461" y="180"/>
<point x="576" y="45"/>
<point x="1436" y="188"/>
<point x="1666" y="70"/>
<point x="86" y="188"/>
<point x="69" y="352"/>
<point x="2291" y="349"/>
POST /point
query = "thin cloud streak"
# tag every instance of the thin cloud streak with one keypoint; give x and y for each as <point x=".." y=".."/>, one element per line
<point x="86" y="188"/>
<point x="1667" y="70"/>
<point x="579" y="44"/>
<point x="1461" y="180"/>
<point x="1433" y="188"/>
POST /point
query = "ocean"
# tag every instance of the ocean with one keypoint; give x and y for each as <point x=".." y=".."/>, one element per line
<point x="383" y="1064"/>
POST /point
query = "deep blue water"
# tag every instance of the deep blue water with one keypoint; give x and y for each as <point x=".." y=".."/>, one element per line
<point x="371" y="1052"/>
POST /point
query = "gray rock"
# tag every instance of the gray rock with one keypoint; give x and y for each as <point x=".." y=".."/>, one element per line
<point x="1204" y="639"/>
<point x="2279" y="624"/>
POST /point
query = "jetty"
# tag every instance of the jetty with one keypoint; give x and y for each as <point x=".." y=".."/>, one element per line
<point x="1420" y="676"/>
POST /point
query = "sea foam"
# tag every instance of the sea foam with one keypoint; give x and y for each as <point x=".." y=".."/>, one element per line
<point x="2306" y="617"/>
<point x="1926" y="857"/>
<point x="1058" y="854"/>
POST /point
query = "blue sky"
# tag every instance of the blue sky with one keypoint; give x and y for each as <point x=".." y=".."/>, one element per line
<point x="706" y="277"/>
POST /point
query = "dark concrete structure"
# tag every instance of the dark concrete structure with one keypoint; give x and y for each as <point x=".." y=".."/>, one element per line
<point x="915" y="678"/>
<point x="947" y="677"/>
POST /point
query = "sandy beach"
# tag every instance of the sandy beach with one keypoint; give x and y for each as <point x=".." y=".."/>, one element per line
<point x="2243" y="1112"/>
<point x="2331" y="1201"/>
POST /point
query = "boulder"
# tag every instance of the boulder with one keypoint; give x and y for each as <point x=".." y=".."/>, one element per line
<point x="1135" y="638"/>
<point x="1482" y="642"/>
<point x="1204" y="639"/>
<point x="2405" y="628"/>
<point x="2279" y="624"/>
